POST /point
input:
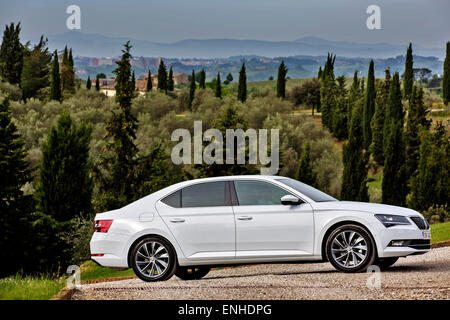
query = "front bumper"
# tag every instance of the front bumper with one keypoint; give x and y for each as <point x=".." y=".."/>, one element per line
<point x="112" y="248"/>
<point x="415" y="242"/>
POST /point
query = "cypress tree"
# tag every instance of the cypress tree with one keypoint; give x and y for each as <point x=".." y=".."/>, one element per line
<point x="15" y="207"/>
<point x="327" y="92"/>
<point x="65" y="187"/>
<point x="70" y="74"/>
<point x="353" y="96"/>
<point x="88" y="83"/>
<point x="36" y="71"/>
<point x="431" y="184"/>
<point x="170" y="82"/>
<point x="133" y="81"/>
<point x="218" y="87"/>
<point x="192" y="87"/>
<point x="149" y="81"/>
<point x="122" y="174"/>
<point x="446" y="77"/>
<point x="202" y="79"/>
<point x="394" y="109"/>
<point x="394" y="184"/>
<point x="115" y="172"/>
<point x="377" y="124"/>
<point x="55" y="83"/>
<point x="354" y="178"/>
<point x="162" y="76"/>
<point x="242" y="87"/>
<point x="416" y="121"/>
<point x="65" y="70"/>
<point x="97" y="83"/>
<point x="408" y="76"/>
<point x="339" y="121"/>
<point x="369" y="106"/>
<point x="305" y="171"/>
<point x="319" y="73"/>
<point x="11" y="54"/>
<point x="281" y="80"/>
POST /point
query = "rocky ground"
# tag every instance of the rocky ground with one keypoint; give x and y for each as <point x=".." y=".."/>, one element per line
<point x="416" y="277"/>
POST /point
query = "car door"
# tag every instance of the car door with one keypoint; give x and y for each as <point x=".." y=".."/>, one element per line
<point x="201" y="219"/>
<point x="267" y="228"/>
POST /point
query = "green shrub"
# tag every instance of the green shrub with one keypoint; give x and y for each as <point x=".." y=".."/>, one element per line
<point x="437" y="214"/>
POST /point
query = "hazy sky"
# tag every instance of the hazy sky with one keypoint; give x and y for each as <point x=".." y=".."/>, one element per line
<point x="423" y="22"/>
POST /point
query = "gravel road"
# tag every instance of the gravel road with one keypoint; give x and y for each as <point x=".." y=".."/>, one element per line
<point x="416" y="277"/>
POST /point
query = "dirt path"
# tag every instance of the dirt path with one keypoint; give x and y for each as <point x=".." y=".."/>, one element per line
<point x="416" y="277"/>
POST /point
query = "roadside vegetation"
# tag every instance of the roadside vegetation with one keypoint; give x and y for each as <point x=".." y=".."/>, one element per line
<point x="29" y="287"/>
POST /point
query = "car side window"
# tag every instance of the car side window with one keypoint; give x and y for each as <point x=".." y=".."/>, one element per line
<point x="254" y="193"/>
<point x="173" y="200"/>
<point x="208" y="194"/>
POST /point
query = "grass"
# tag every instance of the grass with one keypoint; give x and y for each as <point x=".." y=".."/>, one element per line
<point x="440" y="232"/>
<point x="29" y="288"/>
<point x="374" y="185"/>
<point x="92" y="271"/>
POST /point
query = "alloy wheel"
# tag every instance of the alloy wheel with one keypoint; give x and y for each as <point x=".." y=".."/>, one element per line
<point x="349" y="249"/>
<point x="152" y="259"/>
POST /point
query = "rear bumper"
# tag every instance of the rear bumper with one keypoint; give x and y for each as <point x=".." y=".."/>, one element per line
<point x="112" y="248"/>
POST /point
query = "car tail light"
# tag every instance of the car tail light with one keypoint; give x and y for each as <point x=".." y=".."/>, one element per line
<point x="102" y="225"/>
<point x="97" y="255"/>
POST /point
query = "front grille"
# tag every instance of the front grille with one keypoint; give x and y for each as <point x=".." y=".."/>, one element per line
<point x="421" y="223"/>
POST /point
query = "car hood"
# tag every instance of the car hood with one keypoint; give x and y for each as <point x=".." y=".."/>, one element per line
<point x="374" y="208"/>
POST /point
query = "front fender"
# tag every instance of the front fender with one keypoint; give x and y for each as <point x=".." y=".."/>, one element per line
<point x="326" y="221"/>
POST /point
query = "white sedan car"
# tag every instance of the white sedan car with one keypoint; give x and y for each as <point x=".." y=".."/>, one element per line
<point x="189" y="227"/>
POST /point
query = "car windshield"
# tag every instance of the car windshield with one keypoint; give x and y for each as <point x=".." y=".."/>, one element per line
<point x="310" y="192"/>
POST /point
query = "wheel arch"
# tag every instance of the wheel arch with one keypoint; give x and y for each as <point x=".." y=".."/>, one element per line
<point x="155" y="235"/>
<point x="337" y="225"/>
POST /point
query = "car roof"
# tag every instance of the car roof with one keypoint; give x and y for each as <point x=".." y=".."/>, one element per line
<point x="237" y="177"/>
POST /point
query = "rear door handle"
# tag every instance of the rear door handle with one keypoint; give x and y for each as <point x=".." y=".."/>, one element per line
<point x="177" y="220"/>
<point x="245" y="218"/>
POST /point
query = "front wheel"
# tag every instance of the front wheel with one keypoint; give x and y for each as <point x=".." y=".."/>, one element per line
<point x="350" y="248"/>
<point x="153" y="259"/>
<point x="191" y="273"/>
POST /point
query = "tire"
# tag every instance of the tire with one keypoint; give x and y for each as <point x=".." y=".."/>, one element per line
<point x="350" y="248"/>
<point x="153" y="259"/>
<point x="385" y="263"/>
<point x="191" y="273"/>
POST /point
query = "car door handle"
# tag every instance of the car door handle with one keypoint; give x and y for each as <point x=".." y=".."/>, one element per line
<point x="245" y="218"/>
<point x="177" y="220"/>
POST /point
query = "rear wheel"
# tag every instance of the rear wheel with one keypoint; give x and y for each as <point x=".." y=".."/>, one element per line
<point x="191" y="273"/>
<point x="385" y="263"/>
<point x="350" y="248"/>
<point x="153" y="259"/>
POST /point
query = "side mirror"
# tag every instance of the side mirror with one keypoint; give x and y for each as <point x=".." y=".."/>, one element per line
<point x="290" y="200"/>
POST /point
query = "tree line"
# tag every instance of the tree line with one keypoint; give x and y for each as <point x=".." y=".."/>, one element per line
<point x="385" y="124"/>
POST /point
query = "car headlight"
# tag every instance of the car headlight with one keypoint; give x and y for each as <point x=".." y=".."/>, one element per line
<point x="389" y="220"/>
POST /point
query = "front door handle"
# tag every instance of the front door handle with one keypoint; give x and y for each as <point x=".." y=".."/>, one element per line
<point x="245" y="218"/>
<point x="177" y="220"/>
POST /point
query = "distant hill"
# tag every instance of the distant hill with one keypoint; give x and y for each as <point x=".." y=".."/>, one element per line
<point x="95" y="45"/>
<point x="258" y="67"/>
